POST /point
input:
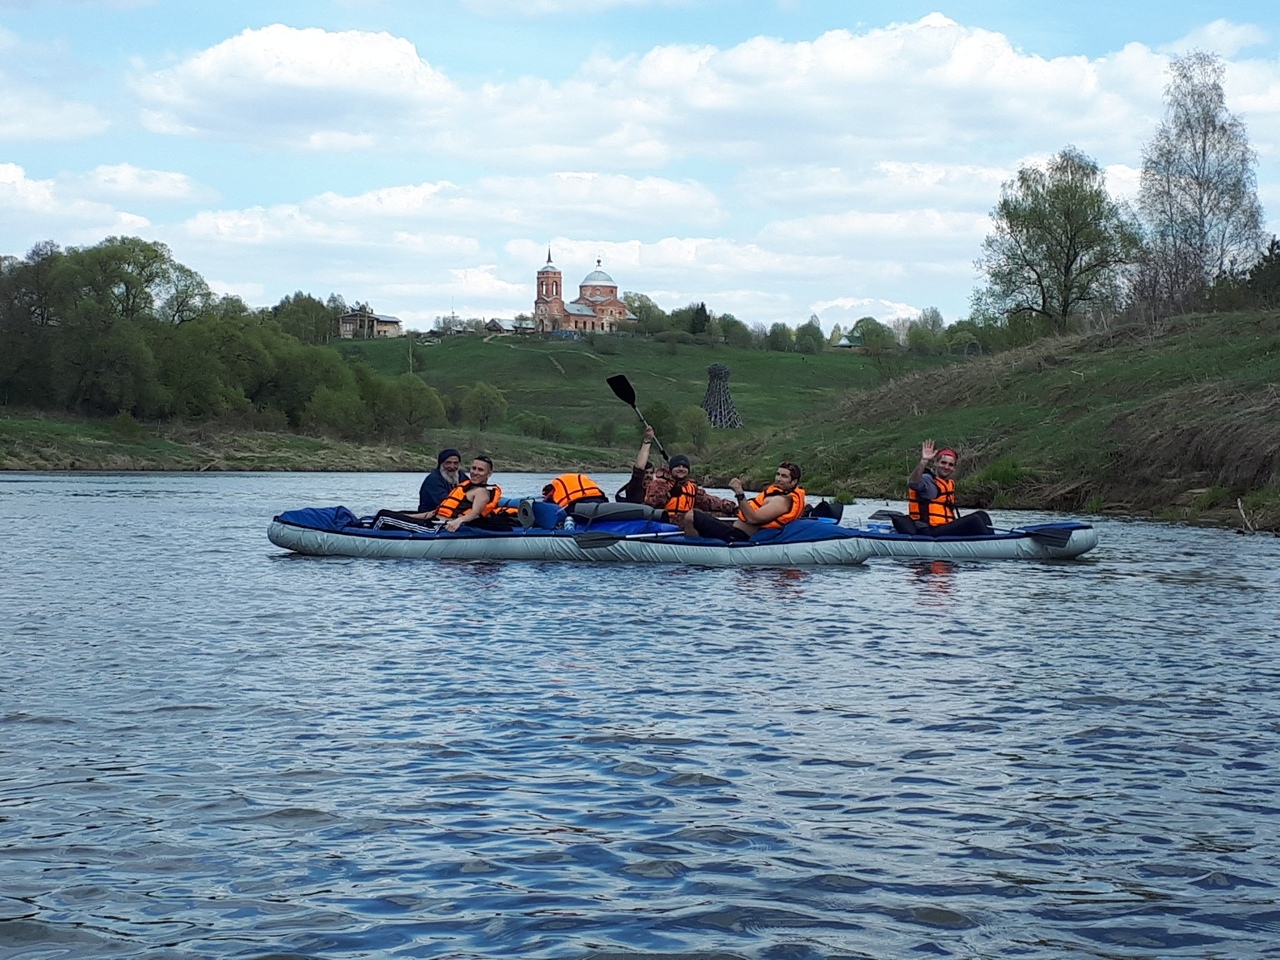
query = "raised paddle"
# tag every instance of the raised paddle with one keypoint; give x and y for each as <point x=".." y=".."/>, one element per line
<point x="623" y="390"/>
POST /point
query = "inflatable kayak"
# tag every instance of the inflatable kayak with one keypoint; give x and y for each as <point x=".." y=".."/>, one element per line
<point x="628" y="533"/>
<point x="1063" y="540"/>
<point x="605" y="533"/>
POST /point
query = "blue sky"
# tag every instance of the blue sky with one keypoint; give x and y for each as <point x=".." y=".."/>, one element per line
<point x="775" y="158"/>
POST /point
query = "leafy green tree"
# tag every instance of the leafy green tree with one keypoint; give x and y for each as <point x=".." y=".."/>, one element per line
<point x="299" y="371"/>
<point x="650" y="318"/>
<point x="193" y="376"/>
<point x="836" y="334"/>
<point x="695" y="425"/>
<point x="605" y="433"/>
<point x="735" y="332"/>
<point x="926" y="334"/>
<point x="307" y="318"/>
<point x="681" y="319"/>
<point x="340" y="412"/>
<point x="1059" y="243"/>
<point x="1198" y="194"/>
<point x="184" y="295"/>
<point x="876" y="338"/>
<point x="484" y="405"/>
<point x="125" y="275"/>
<point x="405" y="406"/>
<point x="809" y="336"/>
<point x="780" y="338"/>
<point x="663" y="421"/>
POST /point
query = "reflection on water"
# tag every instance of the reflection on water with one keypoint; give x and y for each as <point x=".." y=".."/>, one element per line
<point x="213" y="749"/>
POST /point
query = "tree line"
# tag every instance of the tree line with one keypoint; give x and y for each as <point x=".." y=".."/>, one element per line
<point x="1063" y="254"/>
<point x="121" y="328"/>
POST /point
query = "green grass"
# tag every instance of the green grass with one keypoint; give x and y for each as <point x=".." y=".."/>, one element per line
<point x="1133" y="417"/>
<point x="565" y="380"/>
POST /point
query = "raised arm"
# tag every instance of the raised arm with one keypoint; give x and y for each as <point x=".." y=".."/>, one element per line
<point x="642" y="458"/>
<point x="926" y="456"/>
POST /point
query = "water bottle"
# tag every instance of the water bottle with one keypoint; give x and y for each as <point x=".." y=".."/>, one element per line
<point x="568" y="523"/>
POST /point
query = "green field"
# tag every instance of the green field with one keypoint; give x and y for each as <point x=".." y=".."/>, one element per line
<point x="565" y="380"/>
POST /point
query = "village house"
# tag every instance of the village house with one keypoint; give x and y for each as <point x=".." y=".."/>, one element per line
<point x="365" y="325"/>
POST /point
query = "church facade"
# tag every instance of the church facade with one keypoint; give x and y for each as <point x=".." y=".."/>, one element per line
<point x="597" y="308"/>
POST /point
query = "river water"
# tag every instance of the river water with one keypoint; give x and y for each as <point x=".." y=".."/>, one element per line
<point x="210" y="748"/>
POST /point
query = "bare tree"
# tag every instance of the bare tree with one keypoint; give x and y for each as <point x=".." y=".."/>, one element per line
<point x="1199" y="191"/>
<point x="1059" y="244"/>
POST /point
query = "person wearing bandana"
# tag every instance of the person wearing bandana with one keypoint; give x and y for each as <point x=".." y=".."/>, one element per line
<point x="931" y="499"/>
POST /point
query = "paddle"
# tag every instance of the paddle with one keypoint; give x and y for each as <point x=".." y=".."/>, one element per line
<point x="623" y="390"/>
<point x="596" y="539"/>
<point x="1049" y="537"/>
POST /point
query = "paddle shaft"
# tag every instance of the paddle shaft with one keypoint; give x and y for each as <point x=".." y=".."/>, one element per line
<point x="623" y="390"/>
<point x="598" y="539"/>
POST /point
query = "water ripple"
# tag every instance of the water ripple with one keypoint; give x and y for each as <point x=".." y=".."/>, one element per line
<point x="214" y="750"/>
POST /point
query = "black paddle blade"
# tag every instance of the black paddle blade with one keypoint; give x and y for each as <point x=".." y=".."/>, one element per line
<point x="622" y="389"/>
<point x="1049" y="536"/>
<point x="594" y="540"/>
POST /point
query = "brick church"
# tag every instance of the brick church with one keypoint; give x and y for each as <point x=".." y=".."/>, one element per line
<point x="597" y="308"/>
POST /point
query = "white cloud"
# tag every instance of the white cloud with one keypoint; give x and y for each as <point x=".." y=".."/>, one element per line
<point x="125" y="182"/>
<point x="43" y="209"/>
<point x="310" y="87"/>
<point x="29" y="114"/>
<point x="578" y="201"/>
<point x="1221" y="37"/>
<point x="930" y="91"/>
<point x="541" y="8"/>
<point x="847" y="311"/>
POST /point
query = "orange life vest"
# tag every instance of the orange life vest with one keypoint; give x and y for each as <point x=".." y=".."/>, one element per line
<point x="793" y="512"/>
<point x="683" y="493"/>
<point x="934" y="512"/>
<point x="455" y="502"/>
<point x="570" y="488"/>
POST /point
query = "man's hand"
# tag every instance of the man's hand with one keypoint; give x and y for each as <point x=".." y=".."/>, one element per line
<point x="927" y="451"/>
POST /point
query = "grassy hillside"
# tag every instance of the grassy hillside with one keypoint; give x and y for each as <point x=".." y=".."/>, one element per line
<point x="1179" y="421"/>
<point x="565" y="380"/>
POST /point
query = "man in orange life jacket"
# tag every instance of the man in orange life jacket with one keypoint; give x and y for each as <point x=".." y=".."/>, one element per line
<point x="672" y="490"/>
<point x="931" y="498"/>
<point x="780" y="503"/>
<point x="472" y="499"/>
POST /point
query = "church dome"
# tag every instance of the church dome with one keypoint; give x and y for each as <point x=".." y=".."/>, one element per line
<point x="597" y="277"/>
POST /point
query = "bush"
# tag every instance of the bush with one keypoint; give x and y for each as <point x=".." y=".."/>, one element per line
<point x="535" y="425"/>
<point x="605" y="433"/>
<point x="125" y="427"/>
<point x="676" y="336"/>
<point x="695" y="425"/>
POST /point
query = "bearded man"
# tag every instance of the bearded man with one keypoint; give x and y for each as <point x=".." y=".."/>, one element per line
<point x="447" y="475"/>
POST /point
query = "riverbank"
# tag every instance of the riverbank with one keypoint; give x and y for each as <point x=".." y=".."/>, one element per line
<point x="1179" y="422"/>
<point x="1176" y="422"/>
